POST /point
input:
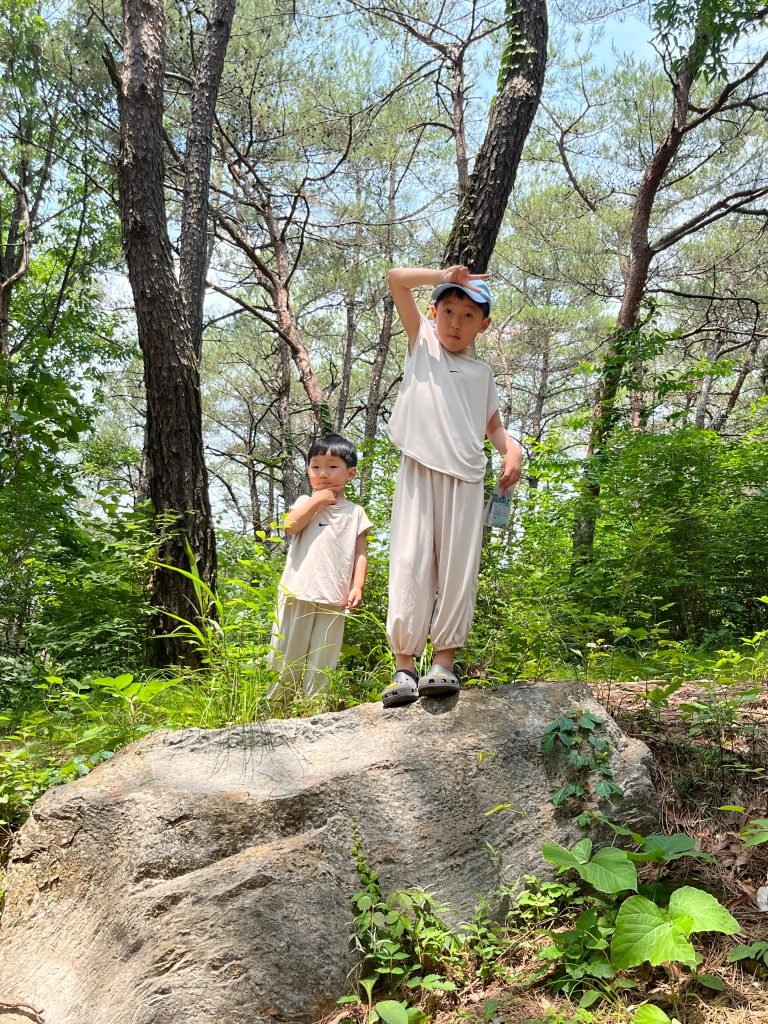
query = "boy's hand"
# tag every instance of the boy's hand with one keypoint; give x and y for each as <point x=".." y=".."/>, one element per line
<point x="511" y="467"/>
<point x="355" y="597"/>
<point x="326" y="497"/>
<point x="460" y="275"/>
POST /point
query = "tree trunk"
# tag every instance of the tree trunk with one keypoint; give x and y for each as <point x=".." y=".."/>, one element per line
<point x="621" y="344"/>
<point x="290" y="487"/>
<point x="346" y="362"/>
<point x="280" y="288"/>
<point x="175" y="472"/>
<point x="537" y="416"/>
<point x="458" y="106"/>
<point x="374" y="399"/>
<point x="484" y="201"/>
<point x="719" y="422"/>
<point x="14" y="255"/>
<point x="194" y="249"/>
<point x="702" y="403"/>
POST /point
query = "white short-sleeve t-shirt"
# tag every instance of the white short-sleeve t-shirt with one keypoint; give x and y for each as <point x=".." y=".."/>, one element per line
<point x="321" y="559"/>
<point x="442" y="410"/>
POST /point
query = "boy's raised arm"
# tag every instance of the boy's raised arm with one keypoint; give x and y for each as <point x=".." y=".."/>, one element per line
<point x="402" y="281"/>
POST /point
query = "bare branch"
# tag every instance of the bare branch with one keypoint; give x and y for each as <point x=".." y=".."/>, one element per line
<point x="726" y="94"/>
<point x="736" y="202"/>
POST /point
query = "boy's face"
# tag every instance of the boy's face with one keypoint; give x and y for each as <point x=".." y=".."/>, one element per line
<point x="329" y="472"/>
<point x="458" y="321"/>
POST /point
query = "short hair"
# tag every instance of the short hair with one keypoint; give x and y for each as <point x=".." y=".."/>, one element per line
<point x="334" y="444"/>
<point x="459" y="293"/>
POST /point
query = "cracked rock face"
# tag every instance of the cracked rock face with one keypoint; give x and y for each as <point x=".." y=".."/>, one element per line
<point x="203" y="877"/>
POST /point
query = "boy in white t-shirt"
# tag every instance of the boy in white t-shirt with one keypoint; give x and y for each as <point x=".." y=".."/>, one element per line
<point x="324" y="571"/>
<point x="446" y="407"/>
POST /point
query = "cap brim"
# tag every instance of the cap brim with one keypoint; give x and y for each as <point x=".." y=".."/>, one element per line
<point x="477" y="296"/>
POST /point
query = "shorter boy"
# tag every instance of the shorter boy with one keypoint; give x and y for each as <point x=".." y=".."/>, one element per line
<point x="324" y="572"/>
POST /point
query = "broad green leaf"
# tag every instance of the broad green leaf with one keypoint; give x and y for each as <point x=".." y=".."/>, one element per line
<point x="755" y="951"/>
<point x="711" y="981"/>
<point x="392" y="1012"/>
<point x="707" y="914"/>
<point x="368" y="984"/>
<point x="582" y="850"/>
<point x="650" y="1014"/>
<point x="559" y="856"/>
<point x="645" y="932"/>
<point x="589" y="998"/>
<point x="661" y="849"/>
<point x="610" y="871"/>
<point x="755" y="832"/>
<point x="416" y="1016"/>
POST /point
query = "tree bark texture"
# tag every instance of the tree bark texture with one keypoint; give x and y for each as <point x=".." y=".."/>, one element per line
<point x="176" y="477"/>
<point x="350" y="308"/>
<point x="194" y="250"/>
<point x="14" y="253"/>
<point x="484" y="200"/>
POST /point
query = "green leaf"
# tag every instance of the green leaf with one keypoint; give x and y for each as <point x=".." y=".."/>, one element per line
<point x="753" y="952"/>
<point x="650" y="1014"/>
<point x="706" y="913"/>
<point x="645" y="932"/>
<point x="368" y="984"/>
<point x="497" y="808"/>
<point x="416" y="1016"/>
<point x="610" y="871"/>
<point x="589" y="721"/>
<point x="711" y="981"/>
<point x="663" y="849"/>
<point x="582" y="850"/>
<point x="606" y="789"/>
<point x="589" y="997"/>
<point x="755" y="832"/>
<point x="559" y="856"/>
<point x="392" y="1012"/>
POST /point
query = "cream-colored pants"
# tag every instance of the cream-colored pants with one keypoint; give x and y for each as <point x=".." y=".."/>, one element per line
<point x="306" y="639"/>
<point x="434" y="558"/>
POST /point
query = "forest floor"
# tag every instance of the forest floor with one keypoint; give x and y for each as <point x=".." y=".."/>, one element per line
<point x="710" y="768"/>
<point x="710" y="752"/>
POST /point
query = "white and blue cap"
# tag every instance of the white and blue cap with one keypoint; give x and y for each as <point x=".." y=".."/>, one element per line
<point x="478" y="291"/>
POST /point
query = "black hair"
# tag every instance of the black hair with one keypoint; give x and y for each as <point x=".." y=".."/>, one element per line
<point x="459" y="293"/>
<point x="334" y="444"/>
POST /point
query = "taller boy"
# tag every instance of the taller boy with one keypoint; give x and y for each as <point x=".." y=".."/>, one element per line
<point x="446" y="407"/>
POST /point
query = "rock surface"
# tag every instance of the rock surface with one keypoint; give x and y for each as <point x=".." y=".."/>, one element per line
<point x="203" y="877"/>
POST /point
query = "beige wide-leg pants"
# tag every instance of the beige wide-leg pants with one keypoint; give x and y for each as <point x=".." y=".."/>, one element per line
<point x="306" y="639"/>
<point x="434" y="558"/>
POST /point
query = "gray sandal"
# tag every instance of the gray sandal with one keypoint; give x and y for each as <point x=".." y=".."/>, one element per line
<point x="402" y="690"/>
<point x="439" y="682"/>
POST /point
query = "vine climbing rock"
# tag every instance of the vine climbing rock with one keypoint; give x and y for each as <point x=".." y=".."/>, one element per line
<point x="206" y="876"/>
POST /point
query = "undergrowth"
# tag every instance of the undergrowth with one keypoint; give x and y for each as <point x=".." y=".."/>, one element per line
<point x="620" y="935"/>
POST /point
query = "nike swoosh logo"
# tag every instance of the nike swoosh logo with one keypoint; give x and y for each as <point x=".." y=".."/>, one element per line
<point x="322" y="524"/>
<point x="454" y="371"/>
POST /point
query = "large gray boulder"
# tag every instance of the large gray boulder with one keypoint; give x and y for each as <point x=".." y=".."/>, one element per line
<point x="203" y="877"/>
